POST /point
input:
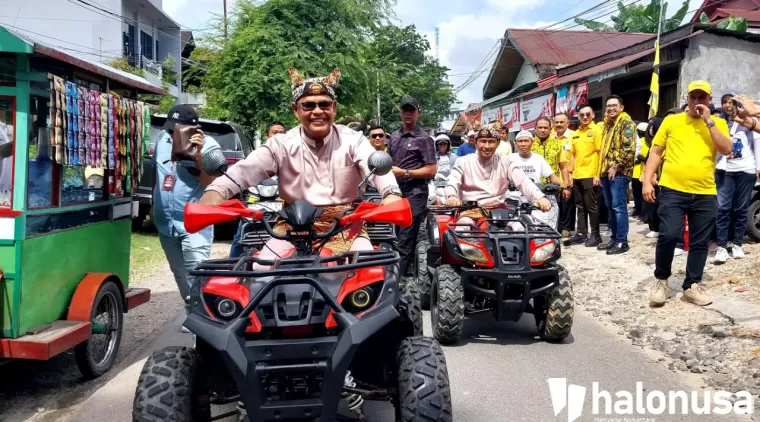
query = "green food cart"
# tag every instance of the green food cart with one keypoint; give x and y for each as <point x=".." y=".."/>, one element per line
<point x="71" y="136"/>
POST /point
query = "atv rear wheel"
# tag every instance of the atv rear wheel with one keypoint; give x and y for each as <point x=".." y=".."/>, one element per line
<point x="424" y="280"/>
<point x="447" y="305"/>
<point x="410" y="303"/>
<point x="555" y="323"/>
<point x="172" y="387"/>
<point x="424" y="393"/>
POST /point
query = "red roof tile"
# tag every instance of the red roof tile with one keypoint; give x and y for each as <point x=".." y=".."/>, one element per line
<point x="750" y="15"/>
<point x="570" y="47"/>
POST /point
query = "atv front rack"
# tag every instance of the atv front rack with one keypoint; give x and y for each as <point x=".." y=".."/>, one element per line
<point x="471" y="231"/>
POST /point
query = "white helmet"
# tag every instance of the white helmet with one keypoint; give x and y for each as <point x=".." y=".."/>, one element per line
<point x="442" y="137"/>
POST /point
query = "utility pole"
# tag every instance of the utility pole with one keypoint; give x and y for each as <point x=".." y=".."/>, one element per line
<point x="378" y="96"/>
<point x="224" y="2"/>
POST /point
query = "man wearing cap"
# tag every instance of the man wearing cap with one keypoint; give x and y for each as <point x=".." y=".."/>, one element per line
<point x="174" y="185"/>
<point x="414" y="165"/>
<point x="533" y="165"/>
<point x="485" y="177"/>
<point x="317" y="161"/>
<point x="691" y="140"/>
<point x="468" y="147"/>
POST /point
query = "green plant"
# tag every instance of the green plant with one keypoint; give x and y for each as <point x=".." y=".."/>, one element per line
<point x="634" y="17"/>
<point x="122" y="64"/>
<point x="732" y="23"/>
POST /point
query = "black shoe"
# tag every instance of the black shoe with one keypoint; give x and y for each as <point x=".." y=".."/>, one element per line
<point x="606" y="246"/>
<point x="618" y="249"/>
<point x="577" y="239"/>
<point x="593" y="242"/>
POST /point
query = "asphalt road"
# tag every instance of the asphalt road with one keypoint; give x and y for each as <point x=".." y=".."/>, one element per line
<point x="498" y="372"/>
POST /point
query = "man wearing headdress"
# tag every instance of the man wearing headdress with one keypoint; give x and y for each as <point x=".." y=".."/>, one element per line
<point x="317" y="161"/>
<point x="485" y="177"/>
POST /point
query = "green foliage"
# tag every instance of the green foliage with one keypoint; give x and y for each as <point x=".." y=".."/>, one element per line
<point x="639" y="18"/>
<point x="246" y="76"/>
<point x="168" y="75"/>
<point x="122" y="64"/>
<point x="732" y="24"/>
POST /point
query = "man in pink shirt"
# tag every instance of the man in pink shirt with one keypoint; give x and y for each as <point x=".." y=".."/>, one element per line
<point x="316" y="161"/>
<point x="485" y="177"/>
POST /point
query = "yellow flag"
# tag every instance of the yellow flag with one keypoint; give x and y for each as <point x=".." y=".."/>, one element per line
<point x="654" y="98"/>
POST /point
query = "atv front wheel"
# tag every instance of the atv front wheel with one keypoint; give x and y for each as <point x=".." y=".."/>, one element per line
<point x="423" y="382"/>
<point x="555" y="323"/>
<point x="447" y="305"/>
<point x="424" y="280"/>
<point x="410" y="303"/>
<point x="172" y="387"/>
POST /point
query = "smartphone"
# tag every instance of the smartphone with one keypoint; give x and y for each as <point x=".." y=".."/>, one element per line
<point x="737" y="105"/>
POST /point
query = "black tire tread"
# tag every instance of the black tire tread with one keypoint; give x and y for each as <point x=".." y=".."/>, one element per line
<point x="423" y="380"/>
<point x="410" y="303"/>
<point x="170" y="388"/>
<point x="424" y="281"/>
<point x="450" y="306"/>
<point x="752" y="229"/>
<point x="82" y="351"/>
<point x="560" y="310"/>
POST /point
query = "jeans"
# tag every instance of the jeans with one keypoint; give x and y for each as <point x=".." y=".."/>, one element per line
<point x="407" y="236"/>
<point x="735" y="193"/>
<point x="184" y="252"/>
<point x="616" y="199"/>
<point x="586" y="200"/>
<point x="236" y="250"/>
<point x="700" y="210"/>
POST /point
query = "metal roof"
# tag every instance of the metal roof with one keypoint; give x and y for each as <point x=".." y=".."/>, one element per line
<point x="569" y="47"/>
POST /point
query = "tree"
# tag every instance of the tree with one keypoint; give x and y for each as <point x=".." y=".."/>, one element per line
<point x="639" y="18"/>
<point x="732" y="23"/>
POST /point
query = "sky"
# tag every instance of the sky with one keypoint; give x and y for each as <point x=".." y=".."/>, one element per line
<point x="468" y="30"/>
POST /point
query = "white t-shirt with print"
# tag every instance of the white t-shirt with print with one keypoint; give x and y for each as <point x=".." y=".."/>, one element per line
<point x="535" y="167"/>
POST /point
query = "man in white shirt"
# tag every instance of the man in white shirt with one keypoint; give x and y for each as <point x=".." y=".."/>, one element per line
<point x="533" y="165"/>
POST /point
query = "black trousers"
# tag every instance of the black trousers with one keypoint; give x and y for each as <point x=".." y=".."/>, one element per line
<point x="586" y="197"/>
<point x="638" y="199"/>
<point x="566" y="213"/>
<point x="407" y="236"/>
<point x="604" y="214"/>
<point x="701" y="211"/>
<point x="649" y="211"/>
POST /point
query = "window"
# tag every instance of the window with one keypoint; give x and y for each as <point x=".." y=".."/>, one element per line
<point x="7" y="70"/>
<point x="7" y="149"/>
<point x="82" y="185"/>
<point x="42" y="184"/>
<point x="130" y="45"/>
<point x="146" y="45"/>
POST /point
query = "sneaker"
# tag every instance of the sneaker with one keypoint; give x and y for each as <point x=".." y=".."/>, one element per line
<point x="697" y="295"/>
<point x="184" y="329"/>
<point x="607" y="245"/>
<point x="658" y="293"/>
<point x="577" y="239"/>
<point x="737" y="252"/>
<point x="652" y="235"/>
<point x="619" y="248"/>
<point x="679" y="252"/>
<point x="593" y="241"/>
<point x="721" y="255"/>
<point x="565" y="234"/>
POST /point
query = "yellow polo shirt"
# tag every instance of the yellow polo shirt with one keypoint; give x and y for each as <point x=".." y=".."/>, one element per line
<point x="586" y="144"/>
<point x="690" y="167"/>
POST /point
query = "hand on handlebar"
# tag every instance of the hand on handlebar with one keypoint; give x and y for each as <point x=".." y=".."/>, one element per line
<point x="390" y="199"/>
<point x="453" y="201"/>
<point x="543" y="204"/>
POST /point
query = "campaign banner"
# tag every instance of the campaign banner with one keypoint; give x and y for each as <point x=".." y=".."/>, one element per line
<point x="490" y="115"/>
<point x="570" y="97"/>
<point x="510" y="116"/>
<point x="532" y="109"/>
<point x="472" y="117"/>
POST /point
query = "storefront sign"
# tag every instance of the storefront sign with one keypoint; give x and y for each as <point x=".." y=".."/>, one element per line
<point x="511" y="116"/>
<point x="570" y="97"/>
<point x="532" y="109"/>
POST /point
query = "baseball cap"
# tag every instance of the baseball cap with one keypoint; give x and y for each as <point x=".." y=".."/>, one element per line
<point x="410" y="101"/>
<point x="700" y="85"/>
<point x="524" y="134"/>
<point x="183" y="114"/>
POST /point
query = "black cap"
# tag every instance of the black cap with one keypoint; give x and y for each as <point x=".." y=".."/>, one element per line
<point x="410" y="101"/>
<point x="182" y="114"/>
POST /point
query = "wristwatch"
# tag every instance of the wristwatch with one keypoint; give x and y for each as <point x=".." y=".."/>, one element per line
<point x="710" y="124"/>
<point x="394" y="190"/>
<point x="406" y="173"/>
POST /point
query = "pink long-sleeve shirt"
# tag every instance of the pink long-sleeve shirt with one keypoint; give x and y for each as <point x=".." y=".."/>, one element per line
<point x="487" y="181"/>
<point x="324" y="177"/>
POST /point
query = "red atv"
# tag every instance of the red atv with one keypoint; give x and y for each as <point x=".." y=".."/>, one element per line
<point x="505" y="264"/>
<point x="315" y="331"/>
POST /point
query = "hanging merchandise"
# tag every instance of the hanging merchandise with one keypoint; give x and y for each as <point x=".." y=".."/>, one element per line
<point x="103" y="101"/>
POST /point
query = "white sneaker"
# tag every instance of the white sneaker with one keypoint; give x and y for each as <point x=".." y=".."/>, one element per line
<point x="652" y="235"/>
<point x="721" y="255"/>
<point x="184" y="329"/>
<point x="737" y="252"/>
<point x="679" y="252"/>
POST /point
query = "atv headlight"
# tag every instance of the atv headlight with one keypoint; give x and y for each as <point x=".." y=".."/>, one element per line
<point x="227" y="308"/>
<point x="362" y="298"/>
<point x="267" y="191"/>
<point x="541" y="250"/>
<point x="473" y="253"/>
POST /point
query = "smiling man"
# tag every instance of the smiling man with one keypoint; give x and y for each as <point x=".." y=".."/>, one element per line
<point x="316" y="161"/>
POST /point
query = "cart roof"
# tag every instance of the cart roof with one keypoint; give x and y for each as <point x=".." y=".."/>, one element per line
<point x="22" y="43"/>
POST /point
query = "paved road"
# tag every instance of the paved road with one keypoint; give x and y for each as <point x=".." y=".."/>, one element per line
<point x="497" y="374"/>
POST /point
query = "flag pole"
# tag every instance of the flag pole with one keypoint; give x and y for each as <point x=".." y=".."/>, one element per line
<point x="654" y="98"/>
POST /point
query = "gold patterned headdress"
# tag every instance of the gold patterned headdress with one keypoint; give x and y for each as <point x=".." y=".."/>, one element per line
<point x="315" y="86"/>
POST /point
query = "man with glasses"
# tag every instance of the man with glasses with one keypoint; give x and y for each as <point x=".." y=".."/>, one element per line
<point x="317" y="161"/>
<point x="584" y="153"/>
<point x="691" y="141"/>
<point x="615" y="170"/>
<point x="566" y="203"/>
<point x="414" y="166"/>
<point x="377" y="137"/>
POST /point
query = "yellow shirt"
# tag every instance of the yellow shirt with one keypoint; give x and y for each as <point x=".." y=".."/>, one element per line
<point x="690" y="167"/>
<point x="504" y="148"/>
<point x="585" y="148"/>
<point x="551" y="150"/>
<point x="567" y="141"/>
<point x="638" y="169"/>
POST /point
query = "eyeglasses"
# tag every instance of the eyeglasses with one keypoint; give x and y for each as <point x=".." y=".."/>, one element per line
<point x="585" y="114"/>
<point x="311" y="105"/>
<point x="377" y="135"/>
<point x="612" y="106"/>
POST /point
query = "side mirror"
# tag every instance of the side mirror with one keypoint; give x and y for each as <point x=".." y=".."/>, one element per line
<point x="214" y="162"/>
<point x="380" y="163"/>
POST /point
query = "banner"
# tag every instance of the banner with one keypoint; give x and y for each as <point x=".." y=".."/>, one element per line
<point x="490" y="115"/>
<point x="570" y="97"/>
<point x="654" y="98"/>
<point x="532" y="109"/>
<point x="511" y="116"/>
<point x="472" y="117"/>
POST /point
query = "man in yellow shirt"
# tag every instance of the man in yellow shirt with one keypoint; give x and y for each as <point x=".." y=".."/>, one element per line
<point x="506" y="146"/>
<point x="584" y="162"/>
<point x="691" y="141"/>
<point x="566" y="203"/>
<point x="548" y="146"/>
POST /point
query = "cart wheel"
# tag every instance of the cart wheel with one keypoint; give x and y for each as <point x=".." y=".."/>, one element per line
<point x="97" y="355"/>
